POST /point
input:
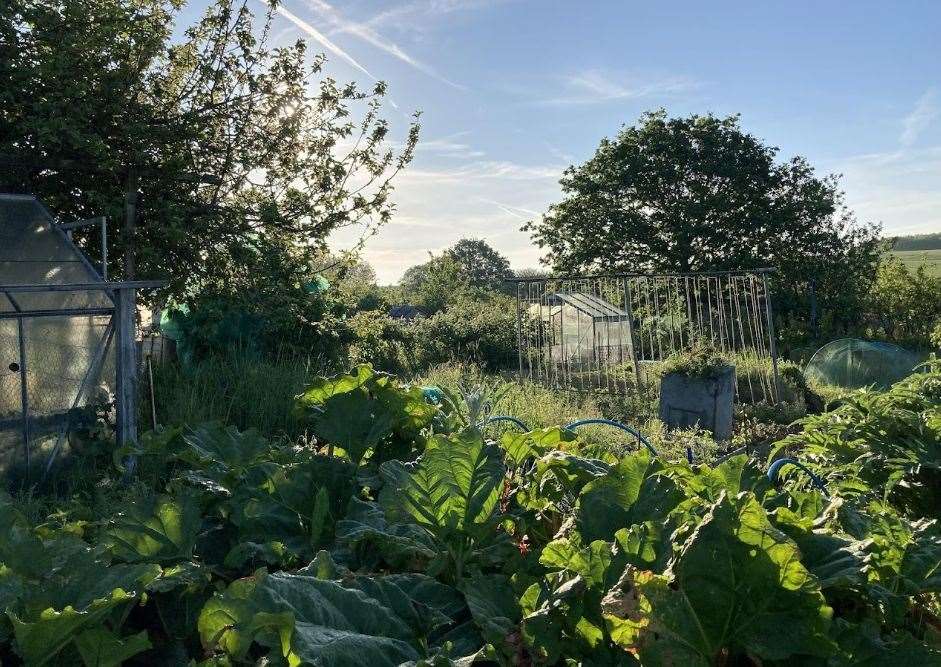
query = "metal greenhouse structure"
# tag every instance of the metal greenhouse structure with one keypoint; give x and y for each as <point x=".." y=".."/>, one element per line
<point x="609" y="332"/>
<point x="67" y="335"/>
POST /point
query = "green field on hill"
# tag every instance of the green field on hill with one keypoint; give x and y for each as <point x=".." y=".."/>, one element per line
<point x="915" y="258"/>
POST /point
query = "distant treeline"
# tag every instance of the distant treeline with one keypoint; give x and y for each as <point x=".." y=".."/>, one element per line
<point x="918" y="242"/>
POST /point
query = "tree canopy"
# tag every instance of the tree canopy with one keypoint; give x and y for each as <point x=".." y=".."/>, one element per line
<point x="469" y="267"/>
<point x="699" y="193"/>
<point x="480" y="264"/>
<point x="217" y="150"/>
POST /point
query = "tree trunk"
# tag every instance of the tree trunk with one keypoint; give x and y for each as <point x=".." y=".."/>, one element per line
<point x="130" y="224"/>
<point x="813" y="308"/>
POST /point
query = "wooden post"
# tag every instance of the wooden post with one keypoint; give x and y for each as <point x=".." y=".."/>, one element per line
<point x="125" y="305"/>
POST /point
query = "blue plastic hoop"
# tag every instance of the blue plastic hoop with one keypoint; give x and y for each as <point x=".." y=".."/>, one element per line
<point x="775" y="469"/>
<point x="609" y="422"/>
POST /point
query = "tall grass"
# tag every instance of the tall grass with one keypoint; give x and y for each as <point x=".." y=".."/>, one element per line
<point x="252" y="393"/>
<point x="541" y="407"/>
<point x="236" y="389"/>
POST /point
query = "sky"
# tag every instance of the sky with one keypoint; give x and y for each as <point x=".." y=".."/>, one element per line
<point x="514" y="91"/>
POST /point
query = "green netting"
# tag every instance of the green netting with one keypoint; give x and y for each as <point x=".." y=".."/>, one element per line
<point x="853" y="363"/>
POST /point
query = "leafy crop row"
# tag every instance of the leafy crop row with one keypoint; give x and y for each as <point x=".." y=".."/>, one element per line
<point x="406" y="537"/>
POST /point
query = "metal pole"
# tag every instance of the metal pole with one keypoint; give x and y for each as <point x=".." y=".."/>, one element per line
<point x="126" y="368"/>
<point x="630" y="332"/>
<point x="24" y="393"/>
<point x="772" y="338"/>
<point x="104" y="249"/>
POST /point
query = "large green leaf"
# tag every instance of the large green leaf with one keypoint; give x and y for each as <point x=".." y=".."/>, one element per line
<point x="493" y="605"/>
<point x="225" y="622"/>
<point x="906" y="554"/>
<point x="308" y="620"/>
<point x="522" y="446"/>
<point x="837" y="561"/>
<point x="358" y="411"/>
<point x="223" y="451"/>
<point x="632" y="492"/>
<point x="101" y="648"/>
<point x="456" y="485"/>
<point x="160" y="528"/>
<point x="320" y="390"/>
<point x="354" y="422"/>
<point x="737" y="588"/>
<point x="590" y="562"/>
<point x="422" y="602"/>
<point x="863" y="645"/>
<point x="39" y="641"/>
<point x="571" y="471"/>
<point x="284" y="513"/>
<point x="366" y="529"/>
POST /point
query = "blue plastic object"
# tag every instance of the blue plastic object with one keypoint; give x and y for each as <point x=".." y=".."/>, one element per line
<point x="505" y="418"/>
<point x="775" y="469"/>
<point x="433" y="395"/>
<point x="610" y="422"/>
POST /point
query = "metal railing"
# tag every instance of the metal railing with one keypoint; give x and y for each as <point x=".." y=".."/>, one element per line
<point x="610" y="332"/>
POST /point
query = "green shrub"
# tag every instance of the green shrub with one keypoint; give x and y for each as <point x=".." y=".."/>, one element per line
<point x="381" y="341"/>
<point x="904" y="305"/>
<point x="701" y="359"/>
<point x="482" y="332"/>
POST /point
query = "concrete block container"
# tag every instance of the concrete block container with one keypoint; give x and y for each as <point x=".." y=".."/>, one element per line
<point x="706" y="402"/>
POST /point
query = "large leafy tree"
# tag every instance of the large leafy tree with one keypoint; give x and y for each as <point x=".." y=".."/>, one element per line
<point x="218" y="152"/>
<point x="699" y="193"/>
<point x="471" y="267"/>
<point x="480" y="263"/>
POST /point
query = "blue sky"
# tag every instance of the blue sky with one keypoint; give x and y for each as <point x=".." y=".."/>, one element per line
<point x="512" y="92"/>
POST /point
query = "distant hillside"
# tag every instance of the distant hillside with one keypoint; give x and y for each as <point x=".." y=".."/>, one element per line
<point x="918" y="242"/>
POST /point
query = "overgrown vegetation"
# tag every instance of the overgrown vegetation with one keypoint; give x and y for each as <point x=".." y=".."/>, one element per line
<point x="700" y="360"/>
<point x="280" y="515"/>
<point x="419" y="541"/>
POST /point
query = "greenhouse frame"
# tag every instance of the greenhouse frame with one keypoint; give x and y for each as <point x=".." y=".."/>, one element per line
<point x="609" y="332"/>
<point x="67" y="336"/>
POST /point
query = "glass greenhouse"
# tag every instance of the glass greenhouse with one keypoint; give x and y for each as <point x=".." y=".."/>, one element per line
<point x="67" y="336"/>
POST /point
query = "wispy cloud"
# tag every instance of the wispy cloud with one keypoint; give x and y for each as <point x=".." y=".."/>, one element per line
<point x="487" y="170"/>
<point x="925" y="112"/>
<point x="415" y="15"/>
<point x="897" y="188"/>
<point x="319" y="37"/>
<point x="517" y="212"/>
<point x="437" y="206"/>
<point x="371" y="36"/>
<point x="596" y="87"/>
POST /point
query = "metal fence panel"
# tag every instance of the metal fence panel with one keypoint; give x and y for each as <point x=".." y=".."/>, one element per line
<point x="610" y="333"/>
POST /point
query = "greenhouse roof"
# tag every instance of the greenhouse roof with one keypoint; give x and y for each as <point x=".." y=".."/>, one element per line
<point x="590" y="304"/>
<point x="34" y="251"/>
